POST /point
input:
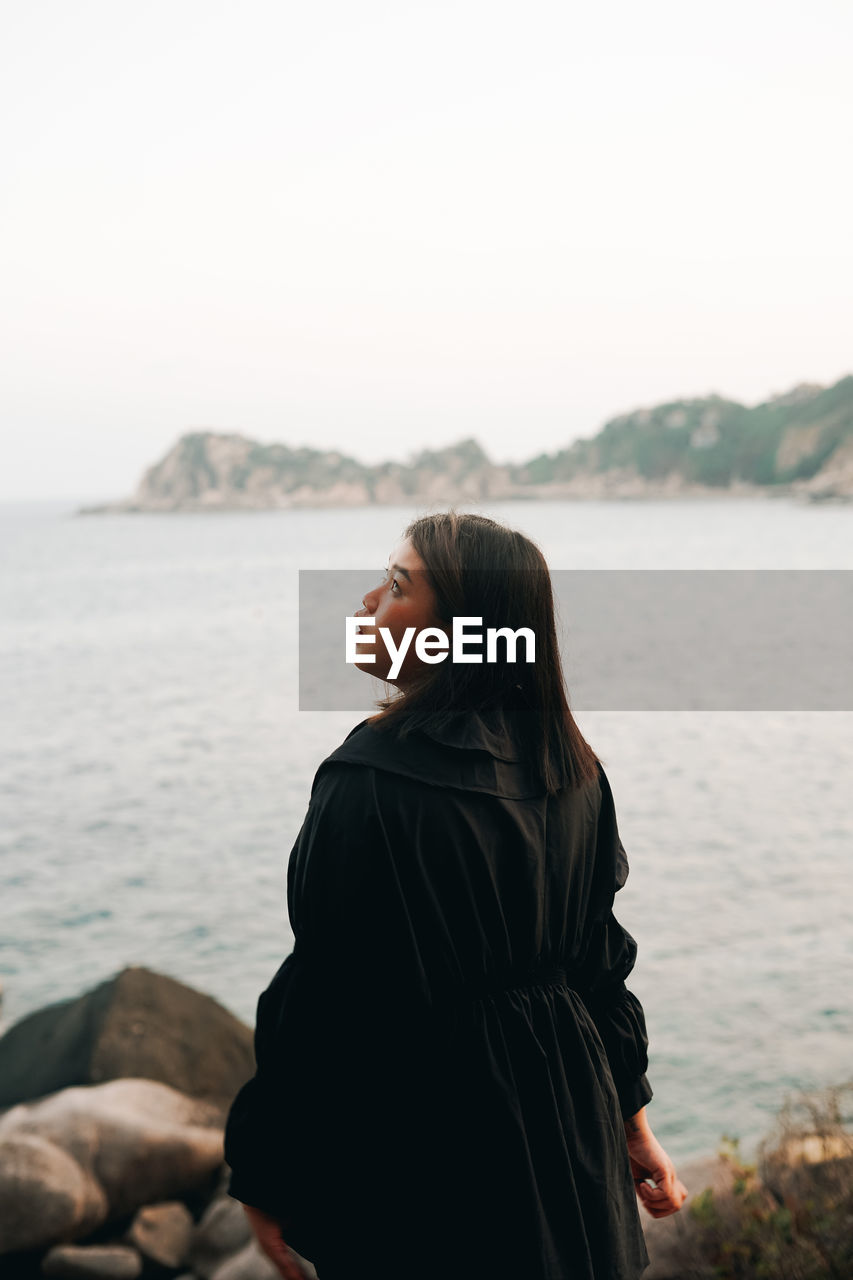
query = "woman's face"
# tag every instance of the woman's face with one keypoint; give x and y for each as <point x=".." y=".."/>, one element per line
<point x="403" y="599"/>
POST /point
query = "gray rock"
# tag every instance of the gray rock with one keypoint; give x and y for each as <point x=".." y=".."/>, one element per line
<point x="138" y="1024"/>
<point x="134" y="1141"/>
<point x="249" y="1264"/>
<point x="307" y="1267"/>
<point x="223" y="1231"/>
<point x="45" y="1196"/>
<point x="92" y="1262"/>
<point x="252" y="1264"/>
<point x="162" y="1233"/>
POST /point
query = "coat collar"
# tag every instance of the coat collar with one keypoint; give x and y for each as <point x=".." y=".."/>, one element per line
<point x="474" y="752"/>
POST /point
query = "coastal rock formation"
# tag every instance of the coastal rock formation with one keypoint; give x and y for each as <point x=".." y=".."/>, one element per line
<point x="222" y="1232"/>
<point x="206" y="471"/>
<point x="139" y="1024"/>
<point x="85" y="1156"/>
<point x="800" y="442"/>
<point x="835" y="477"/>
<point x="161" y="1234"/>
<point x="92" y="1262"/>
<point x="45" y="1194"/>
<point x="248" y="1264"/>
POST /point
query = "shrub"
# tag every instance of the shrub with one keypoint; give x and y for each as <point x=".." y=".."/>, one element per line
<point x="790" y="1215"/>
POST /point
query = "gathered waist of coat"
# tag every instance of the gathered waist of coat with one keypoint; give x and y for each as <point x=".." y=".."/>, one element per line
<point x="448" y="990"/>
<point x="511" y="980"/>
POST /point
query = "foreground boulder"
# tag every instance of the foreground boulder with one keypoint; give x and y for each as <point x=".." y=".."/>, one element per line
<point x="92" y="1262"/>
<point x="162" y="1233"/>
<point x="45" y="1195"/>
<point x="138" y="1024"/>
<point x="85" y="1156"/>
<point x="248" y="1264"/>
<point x="222" y="1232"/>
<point x="223" y="1247"/>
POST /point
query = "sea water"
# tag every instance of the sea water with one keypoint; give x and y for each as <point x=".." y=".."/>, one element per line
<point x="155" y="769"/>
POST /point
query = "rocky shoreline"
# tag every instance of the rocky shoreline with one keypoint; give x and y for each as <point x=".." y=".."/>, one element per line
<point x="607" y="487"/>
<point x="111" y="1141"/>
<point x="628" y="489"/>
<point x="112" y="1109"/>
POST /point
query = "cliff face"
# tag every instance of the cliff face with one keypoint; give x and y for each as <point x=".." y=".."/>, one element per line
<point x="206" y="471"/>
<point x="800" y="443"/>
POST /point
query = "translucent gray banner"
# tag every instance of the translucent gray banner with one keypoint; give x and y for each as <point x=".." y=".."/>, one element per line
<point x="638" y="640"/>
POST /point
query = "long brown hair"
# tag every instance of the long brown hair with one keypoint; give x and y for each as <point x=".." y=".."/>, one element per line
<point x="479" y="568"/>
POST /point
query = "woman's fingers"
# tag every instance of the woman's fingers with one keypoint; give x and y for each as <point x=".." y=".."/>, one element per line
<point x="658" y="1186"/>
<point x="660" y="1201"/>
<point x="664" y="1177"/>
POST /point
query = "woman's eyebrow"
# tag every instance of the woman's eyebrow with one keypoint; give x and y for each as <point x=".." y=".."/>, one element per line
<point x="398" y="568"/>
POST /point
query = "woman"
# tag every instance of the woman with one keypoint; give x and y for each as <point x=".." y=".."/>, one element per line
<point x="450" y="1074"/>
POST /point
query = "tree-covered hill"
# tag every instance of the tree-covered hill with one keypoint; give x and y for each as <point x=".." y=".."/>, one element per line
<point x="715" y="442"/>
<point x="800" y="443"/>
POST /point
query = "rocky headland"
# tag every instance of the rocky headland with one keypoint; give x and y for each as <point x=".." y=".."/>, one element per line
<point x="799" y="444"/>
<point x="111" y="1156"/>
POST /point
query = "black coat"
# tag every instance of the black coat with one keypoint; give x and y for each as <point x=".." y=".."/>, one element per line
<point x="446" y="1057"/>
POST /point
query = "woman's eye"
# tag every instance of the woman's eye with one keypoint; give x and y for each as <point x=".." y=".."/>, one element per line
<point x="386" y="573"/>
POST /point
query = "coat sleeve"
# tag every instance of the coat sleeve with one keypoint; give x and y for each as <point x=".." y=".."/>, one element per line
<point x="262" y="1135"/>
<point x="322" y="1005"/>
<point x="608" y="960"/>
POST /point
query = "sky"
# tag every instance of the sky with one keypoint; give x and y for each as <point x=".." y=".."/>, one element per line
<point x="381" y="227"/>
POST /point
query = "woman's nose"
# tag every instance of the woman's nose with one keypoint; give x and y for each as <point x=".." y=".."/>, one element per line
<point x="368" y="604"/>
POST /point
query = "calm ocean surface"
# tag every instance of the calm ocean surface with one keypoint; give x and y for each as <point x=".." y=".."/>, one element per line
<point x="156" y="769"/>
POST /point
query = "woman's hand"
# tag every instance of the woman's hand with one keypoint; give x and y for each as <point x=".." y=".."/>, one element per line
<point x="268" y="1235"/>
<point x="649" y="1160"/>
